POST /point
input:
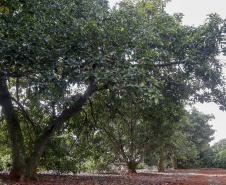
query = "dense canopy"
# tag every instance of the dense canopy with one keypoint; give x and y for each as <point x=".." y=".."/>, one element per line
<point x="56" y="56"/>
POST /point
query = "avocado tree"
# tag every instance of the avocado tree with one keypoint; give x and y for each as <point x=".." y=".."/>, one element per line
<point x="192" y="136"/>
<point x="127" y="129"/>
<point x="182" y="145"/>
<point x="56" y="54"/>
<point x="214" y="156"/>
<point x="167" y="114"/>
<point x="219" y="149"/>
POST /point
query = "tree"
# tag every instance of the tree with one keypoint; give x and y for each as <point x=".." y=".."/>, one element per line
<point x="215" y="155"/>
<point x="191" y="138"/>
<point x="57" y="54"/>
<point x="219" y="146"/>
<point x="128" y="131"/>
<point x="219" y="150"/>
<point x="167" y="114"/>
<point x="182" y="146"/>
<point x="134" y="128"/>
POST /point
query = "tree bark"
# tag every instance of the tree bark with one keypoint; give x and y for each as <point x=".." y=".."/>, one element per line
<point x="173" y="161"/>
<point x="161" y="167"/>
<point x="15" y="133"/>
<point x="132" y="167"/>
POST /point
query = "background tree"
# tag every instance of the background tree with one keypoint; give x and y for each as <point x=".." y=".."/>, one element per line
<point x="215" y="155"/>
<point x="167" y="114"/>
<point x="182" y="146"/>
<point x="192" y="136"/>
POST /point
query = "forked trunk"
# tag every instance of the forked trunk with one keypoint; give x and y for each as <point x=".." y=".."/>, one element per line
<point x="23" y="167"/>
<point x="27" y="169"/>
<point x="22" y="173"/>
<point x="132" y="167"/>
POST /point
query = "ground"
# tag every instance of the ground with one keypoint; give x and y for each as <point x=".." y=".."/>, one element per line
<point x="204" y="176"/>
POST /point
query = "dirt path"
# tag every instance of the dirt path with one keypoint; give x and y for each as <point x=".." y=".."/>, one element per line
<point x="210" y="176"/>
<point x="205" y="176"/>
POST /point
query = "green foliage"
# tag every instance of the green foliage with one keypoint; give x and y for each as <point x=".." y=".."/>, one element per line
<point x="1" y="165"/>
<point x="207" y="158"/>
<point x="4" y="138"/>
<point x="142" y="165"/>
<point x="215" y="155"/>
<point x="5" y="149"/>
<point x="201" y="131"/>
<point x="219" y="146"/>
<point x="93" y="165"/>
<point x="56" y="157"/>
<point x="195" y="135"/>
<point x="184" y="143"/>
<point x="220" y="159"/>
<point x="6" y="162"/>
<point x="77" y="148"/>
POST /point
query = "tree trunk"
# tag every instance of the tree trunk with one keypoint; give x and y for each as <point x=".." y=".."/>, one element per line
<point x="161" y="167"/>
<point x="29" y="171"/>
<point x="173" y="161"/>
<point x="14" y="130"/>
<point x="21" y="167"/>
<point x="132" y="167"/>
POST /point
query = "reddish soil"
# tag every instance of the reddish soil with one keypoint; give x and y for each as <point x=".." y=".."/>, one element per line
<point x="205" y="176"/>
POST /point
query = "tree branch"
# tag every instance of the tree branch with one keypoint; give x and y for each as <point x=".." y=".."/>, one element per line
<point x="146" y="146"/>
<point x="24" y="111"/>
<point x="67" y="113"/>
<point x="92" y="112"/>
<point x="117" y="145"/>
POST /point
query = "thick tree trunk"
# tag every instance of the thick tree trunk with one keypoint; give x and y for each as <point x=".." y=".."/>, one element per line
<point x="132" y="167"/>
<point x="161" y="167"/>
<point x="29" y="171"/>
<point x="14" y="130"/>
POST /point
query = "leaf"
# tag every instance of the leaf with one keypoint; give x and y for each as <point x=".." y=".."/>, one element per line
<point x="156" y="100"/>
<point x="6" y="11"/>
<point x="2" y="8"/>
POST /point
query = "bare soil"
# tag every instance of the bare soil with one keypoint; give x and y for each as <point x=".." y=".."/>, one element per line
<point x="204" y="176"/>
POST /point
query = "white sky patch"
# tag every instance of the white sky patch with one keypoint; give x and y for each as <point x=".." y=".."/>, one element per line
<point x="196" y="11"/>
<point x="112" y="2"/>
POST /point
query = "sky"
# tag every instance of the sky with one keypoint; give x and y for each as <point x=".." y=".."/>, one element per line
<point x="195" y="13"/>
